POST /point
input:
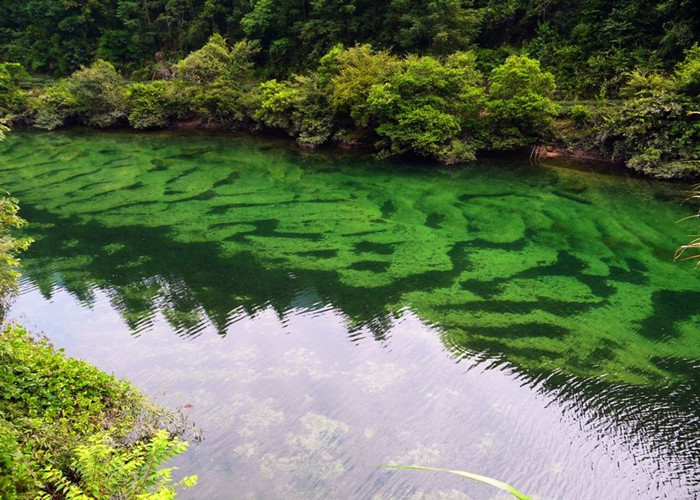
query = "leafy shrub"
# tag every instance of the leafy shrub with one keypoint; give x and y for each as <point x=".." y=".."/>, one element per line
<point x="358" y="69"/>
<point x="644" y="83"/>
<point x="13" y="100"/>
<point x="15" y="471"/>
<point x="216" y="60"/>
<point x="148" y="104"/>
<point x="11" y="74"/>
<point x="53" y="106"/>
<point x="687" y="76"/>
<point x="99" y="94"/>
<point x="299" y="107"/>
<point x="214" y="83"/>
<point x="219" y="102"/>
<point x="520" y="76"/>
<point x="206" y="64"/>
<point x="580" y="114"/>
<point x="103" y="469"/>
<point x="53" y="413"/>
<point x="659" y="135"/>
<point x="657" y="129"/>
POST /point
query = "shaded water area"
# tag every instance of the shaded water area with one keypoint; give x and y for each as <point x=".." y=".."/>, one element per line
<point x="317" y="314"/>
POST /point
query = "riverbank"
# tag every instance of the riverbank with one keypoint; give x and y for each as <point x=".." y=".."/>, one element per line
<point x="68" y="428"/>
<point x="440" y="108"/>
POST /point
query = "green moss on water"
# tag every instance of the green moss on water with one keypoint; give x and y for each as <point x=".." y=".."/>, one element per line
<point x="549" y="269"/>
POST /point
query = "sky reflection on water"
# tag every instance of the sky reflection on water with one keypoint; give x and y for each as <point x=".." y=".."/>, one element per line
<point x="293" y="409"/>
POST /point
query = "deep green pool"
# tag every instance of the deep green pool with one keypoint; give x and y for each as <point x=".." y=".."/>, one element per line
<point x="322" y="312"/>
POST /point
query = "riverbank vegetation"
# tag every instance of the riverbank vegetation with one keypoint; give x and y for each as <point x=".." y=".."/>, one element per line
<point x="68" y="429"/>
<point x="444" y="80"/>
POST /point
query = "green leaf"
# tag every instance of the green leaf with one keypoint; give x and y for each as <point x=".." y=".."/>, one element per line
<point x="469" y="475"/>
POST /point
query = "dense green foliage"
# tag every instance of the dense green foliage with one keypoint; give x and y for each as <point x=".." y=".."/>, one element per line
<point x="519" y="103"/>
<point x="660" y="124"/>
<point x="444" y="79"/>
<point x="588" y="45"/>
<point x="213" y="83"/>
<point x="430" y="107"/>
<point x="99" y="94"/>
<point x="656" y="128"/>
<point x="148" y="103"/>
<point x="299" y="106"/>
<point x="12" y="98"/>
<point x="63" y="425"/>
<point x="437" y="107"/>
<point x="106" y="470"/>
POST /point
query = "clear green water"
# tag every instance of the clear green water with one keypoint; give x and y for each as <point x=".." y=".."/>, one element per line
<point x="323" y="312"/>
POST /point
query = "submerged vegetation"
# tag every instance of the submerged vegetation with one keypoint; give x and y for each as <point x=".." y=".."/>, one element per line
<point x="551" y="277"/>
<point x="548" y="261"/>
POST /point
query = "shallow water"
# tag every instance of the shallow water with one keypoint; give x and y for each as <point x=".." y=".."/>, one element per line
<point x="322" y="313"/>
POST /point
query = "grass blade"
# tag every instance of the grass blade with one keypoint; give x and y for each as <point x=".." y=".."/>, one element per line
<point x="469" y="475"/>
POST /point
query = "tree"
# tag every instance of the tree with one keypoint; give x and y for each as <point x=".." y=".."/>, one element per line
<point x="216" y="81"/>
<point x="52" y="107"/>
<point x="13" y="100"/>
<point x="687" y="74"/>
<point x="440" y="26"/>
<point x="358" y="69"/>
<point x="430" y="108"/>
<point x="207" y="64"/>
<point x="519" y="105"/>
<point x="657" y="128"/>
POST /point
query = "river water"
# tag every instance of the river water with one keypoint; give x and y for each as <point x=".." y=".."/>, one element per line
<point x="318" y="314"/>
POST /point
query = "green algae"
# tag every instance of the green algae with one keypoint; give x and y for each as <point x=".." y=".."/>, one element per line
<point x="549" y="269"/>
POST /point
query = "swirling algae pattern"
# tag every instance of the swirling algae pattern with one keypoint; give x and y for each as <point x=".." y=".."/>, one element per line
<point x="547" y="268"/>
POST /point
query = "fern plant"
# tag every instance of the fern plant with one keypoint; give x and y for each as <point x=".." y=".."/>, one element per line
<point x="103" y="470"/>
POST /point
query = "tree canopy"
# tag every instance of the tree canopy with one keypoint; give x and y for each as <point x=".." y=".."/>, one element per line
<point x="588" y="45"/>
